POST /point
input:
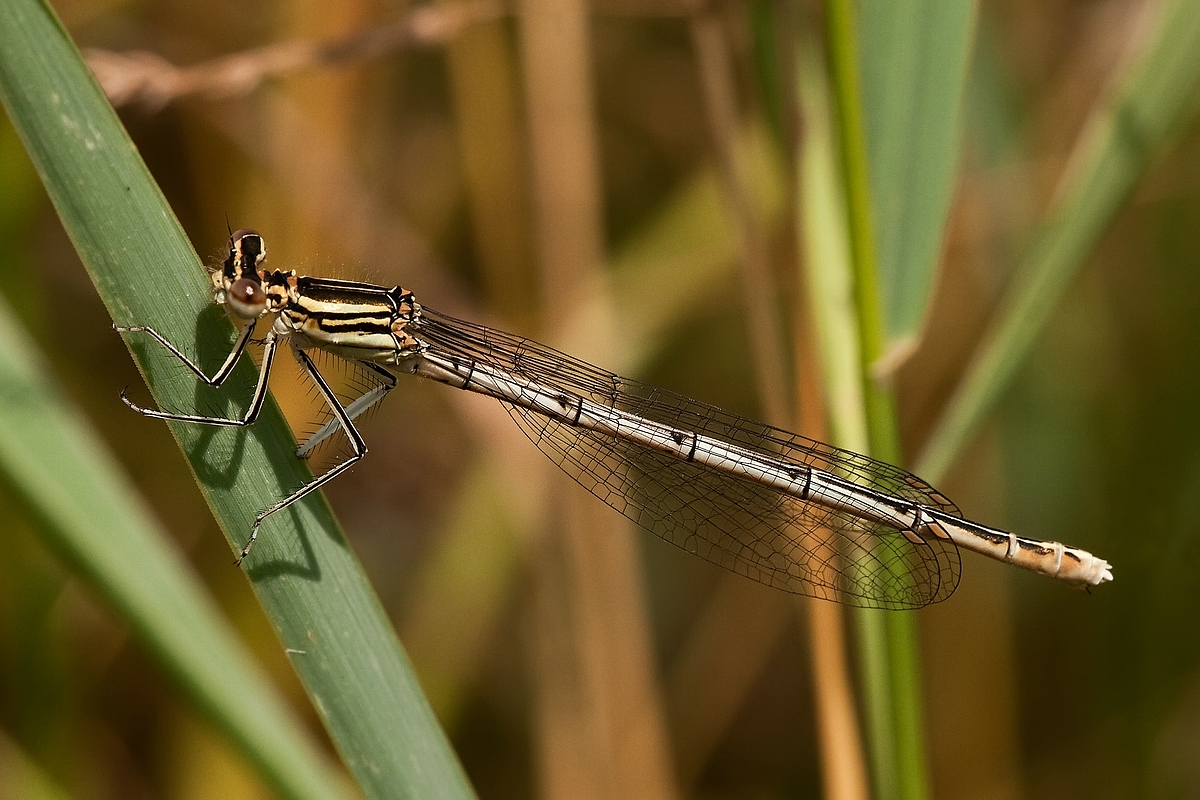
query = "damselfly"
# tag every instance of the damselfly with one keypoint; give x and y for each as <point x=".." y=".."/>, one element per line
<point x="774" y="506"/>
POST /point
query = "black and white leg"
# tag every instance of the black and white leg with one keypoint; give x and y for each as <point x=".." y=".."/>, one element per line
<point x="342" y="417"/>
<point x="358" y="406"/>
<point x="256" y="401"/>
<point x="217" y="379"/>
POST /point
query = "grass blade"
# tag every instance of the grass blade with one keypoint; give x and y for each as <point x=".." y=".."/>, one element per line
<point x="914" y="60"/>
<point x="1115" y="149"/>
<point x="93" y="519"/>
<point x="822" y="229"/>
<point x="881" y="675"/>
<point x="314" y="591"/>
<point x="898" y="121"/>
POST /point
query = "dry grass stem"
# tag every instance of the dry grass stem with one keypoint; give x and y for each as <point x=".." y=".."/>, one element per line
<point x="152" y="81"/>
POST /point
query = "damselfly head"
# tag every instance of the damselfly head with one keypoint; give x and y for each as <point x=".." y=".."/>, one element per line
<point x="239" y="285"/>
<point x="247" y="248"/>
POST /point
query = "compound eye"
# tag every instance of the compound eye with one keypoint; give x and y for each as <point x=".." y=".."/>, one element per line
<point x="246" y="298"/>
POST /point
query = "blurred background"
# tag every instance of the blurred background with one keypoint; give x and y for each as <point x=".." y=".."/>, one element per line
<point x="602" y="185"/>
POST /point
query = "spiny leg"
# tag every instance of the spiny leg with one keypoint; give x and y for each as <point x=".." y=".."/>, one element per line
<point x="256" y="401"/>
<point x="222" y="373"/>
<point x="357" y="407"/>
<point x="356" y="441"/>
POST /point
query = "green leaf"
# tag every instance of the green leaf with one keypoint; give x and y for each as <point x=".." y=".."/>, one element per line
<point x="887" y="641"/>
<point x="91" y="516"/>
<point x="311" y="586"/>
<point x="898" y="72"/>
<point x="1158" y="93"/>
<point x="915" y="58"/>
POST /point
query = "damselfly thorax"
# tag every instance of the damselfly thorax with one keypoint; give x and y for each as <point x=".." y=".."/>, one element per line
<point x="356" y="321"/>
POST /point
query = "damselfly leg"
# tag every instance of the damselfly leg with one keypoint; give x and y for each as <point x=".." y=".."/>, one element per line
<point x="342" y="416"/>
<point x="256" y="400"/>
<point x="355" y="408"/>
<point x="245" y="337"/>
<point x="343" y="419"/>
<point x="250" y="295"/>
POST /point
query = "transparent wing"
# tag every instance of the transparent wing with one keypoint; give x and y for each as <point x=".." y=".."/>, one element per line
<point x="359" y="387"/>
<point x="745" y="527"/>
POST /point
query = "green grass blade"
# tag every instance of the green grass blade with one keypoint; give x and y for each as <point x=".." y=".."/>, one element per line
<point x="887" y="641"/>
<point x="338" y="638"/>
<point x="914" y="59"/>
<point x="878" y="669"/>
<point x="92" y="517"/>
<point x="825" y="237"/>
<point x="1159" y="92"/>
<point x="822" y="229"/>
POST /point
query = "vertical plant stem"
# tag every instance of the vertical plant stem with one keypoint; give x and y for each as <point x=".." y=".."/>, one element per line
<point x="829" y="397"/>
<point x="601" y="731"/>
<point x="758" y="290"/>
<point x="839" y="741"/>
<point x="886" y="640"/>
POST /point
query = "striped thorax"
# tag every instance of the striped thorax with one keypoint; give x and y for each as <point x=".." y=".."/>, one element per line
<point x="359" y="321"/>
